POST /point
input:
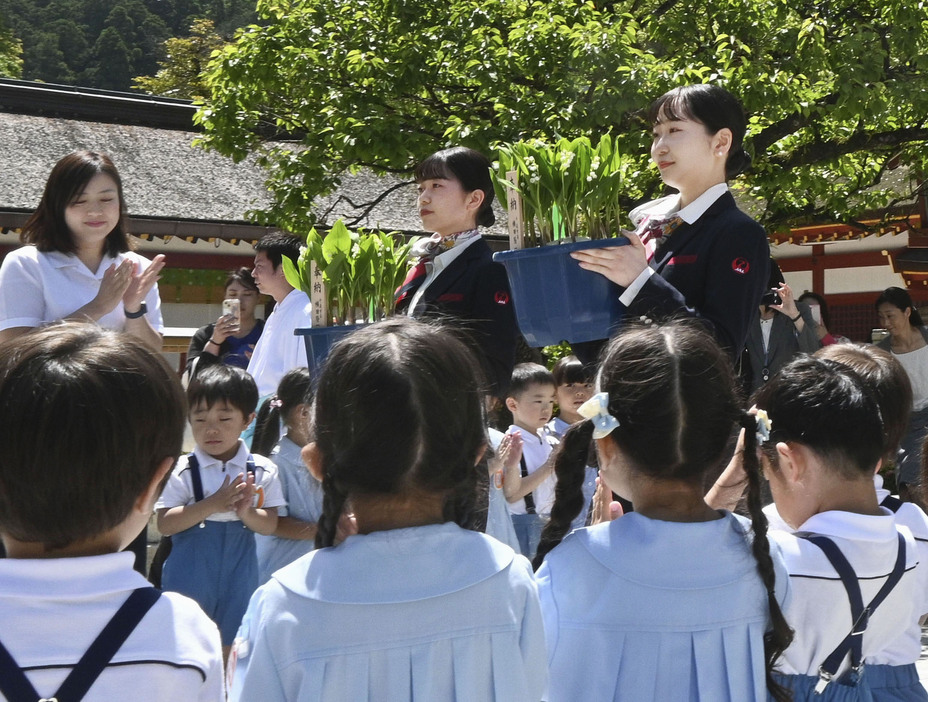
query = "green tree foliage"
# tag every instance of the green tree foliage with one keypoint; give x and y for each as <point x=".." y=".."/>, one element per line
<point x="75" y="41"/>
<point x="11" y="50"/>
<point x="836" y="91"/>
<point x="180" y="74"/>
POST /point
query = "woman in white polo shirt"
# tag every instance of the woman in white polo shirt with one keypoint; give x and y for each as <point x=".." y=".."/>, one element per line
<point x="77" y="263"/>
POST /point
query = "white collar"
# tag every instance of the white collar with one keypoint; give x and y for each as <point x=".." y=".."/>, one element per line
<point x="850" y="525"/>
<point x="671" y="205"/>
<point x="239" y="460"/>
<point x="69" y="577"/>
<point x="445" y="258"/>
<point x="60" y="259"/>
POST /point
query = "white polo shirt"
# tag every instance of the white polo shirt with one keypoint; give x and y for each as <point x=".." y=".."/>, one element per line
<point x="37" y="287"/>
<point x="535" y="449"/>
<point x="279" y="350"/>
<point x="906" y="647"/>
<point x="53" y="608"/>
<point x="819" y="611"/>
<point x="178" y="491"/>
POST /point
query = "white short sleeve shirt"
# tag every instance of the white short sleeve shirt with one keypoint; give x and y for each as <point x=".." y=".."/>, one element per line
<point x="37" y="287"/>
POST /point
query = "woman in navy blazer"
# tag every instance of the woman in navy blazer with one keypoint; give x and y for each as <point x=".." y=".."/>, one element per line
<point x="712" y="260"/>
<point x="455" y="275"/>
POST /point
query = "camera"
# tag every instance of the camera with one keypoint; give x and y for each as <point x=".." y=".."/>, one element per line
<point x="771" y="298"/>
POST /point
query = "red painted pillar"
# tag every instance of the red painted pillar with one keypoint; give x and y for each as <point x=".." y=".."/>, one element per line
<point x="818" y="269"/>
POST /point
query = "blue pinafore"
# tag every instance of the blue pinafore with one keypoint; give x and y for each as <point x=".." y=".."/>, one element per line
<point x="214" y="563"/>
<point x="852" y="686"/>
<point x="16" y="687"/>
<point x="895" y="683"/>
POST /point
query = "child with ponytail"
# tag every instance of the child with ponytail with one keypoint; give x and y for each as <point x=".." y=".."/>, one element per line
<point x="675" y="601"/>
<point x="296" y="523"/>
<point x="856" y="593"/>
<point x="414" y="606"/>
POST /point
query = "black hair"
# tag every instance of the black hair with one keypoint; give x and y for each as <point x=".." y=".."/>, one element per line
<point x="569" y="369"/>
<point x="470" y="168"/>
<point x="220" y="383"/>
<point x="47" y="228"/>
<point x="713" y="107"/>
<point x="295" y="389"/>
<point x="399" y="406"/>
<point x="277" y="245"/>
<point x="827" y="407"/>
<point x="886" y="379"/>
<point x="242" y="275"/>
<point x="673" y="390"/>
<point x="524" y="375"/>
<point x="897" y="297"/>
<point x="88" y="416"/>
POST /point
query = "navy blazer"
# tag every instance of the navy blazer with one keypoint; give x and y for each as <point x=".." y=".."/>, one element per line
<point x="715" y="269"/>
<point x="474" y="292"/>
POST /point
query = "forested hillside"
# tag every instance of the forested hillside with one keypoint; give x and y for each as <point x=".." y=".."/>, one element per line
<point x="106" y="43"/>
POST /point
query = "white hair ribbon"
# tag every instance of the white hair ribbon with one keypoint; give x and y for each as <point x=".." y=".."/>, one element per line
<point x="764" y="425"/>
<point x="596" y="409"/>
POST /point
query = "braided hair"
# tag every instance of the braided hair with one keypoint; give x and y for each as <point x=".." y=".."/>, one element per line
<point x="399" y="406"/>
<point x="673" y="390"/>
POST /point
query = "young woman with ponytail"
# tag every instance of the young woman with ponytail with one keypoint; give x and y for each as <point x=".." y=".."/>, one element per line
<point x="414" y="606"/>
<point x="675" y="601"/>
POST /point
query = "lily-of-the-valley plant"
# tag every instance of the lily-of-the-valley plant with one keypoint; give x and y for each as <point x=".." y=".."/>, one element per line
<point x="570" y="188"/>
<point x="360" y="271"/>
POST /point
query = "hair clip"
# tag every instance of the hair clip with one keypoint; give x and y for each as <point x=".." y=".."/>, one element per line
<point x="275" y="402"/>
<point x="645" y="320"/>
<point x="764" y="425"/>
<point x="596" y="409"/>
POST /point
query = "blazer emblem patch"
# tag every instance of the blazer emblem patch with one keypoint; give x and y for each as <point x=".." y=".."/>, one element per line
<point x="741" y="266"/>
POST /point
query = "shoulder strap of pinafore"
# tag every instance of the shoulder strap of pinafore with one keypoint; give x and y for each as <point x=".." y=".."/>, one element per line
<point x="891" y="503"/>
<point x="860" y="615"/>
<point x="16" y="687"/>
<point x="193" y="465"/>
<point x="529" y="498"/>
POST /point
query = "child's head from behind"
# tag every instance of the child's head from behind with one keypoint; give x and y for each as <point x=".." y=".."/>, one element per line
<point x="88" y="417"/>
<point x="531" y="396"/>
<point x="672" y="390"/>
<point x="575" y="384"/>
<point x="825" y="421"/>
<point x="887" y="381"/>
<point x="289" y="405"/>
<point x="398" y="409"/>
<point x="222" y="401"/>
<point x="48" y="227"/>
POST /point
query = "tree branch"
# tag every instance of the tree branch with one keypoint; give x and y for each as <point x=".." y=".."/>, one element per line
<point x="365" y="207"/>
<point x="827" y="150"/>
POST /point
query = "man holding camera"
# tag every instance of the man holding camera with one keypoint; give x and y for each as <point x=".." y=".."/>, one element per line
<point x="782" y="328"/>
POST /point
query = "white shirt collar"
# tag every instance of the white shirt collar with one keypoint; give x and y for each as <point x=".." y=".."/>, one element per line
<point x="444" y="259"/>
<point x="671" y="205"/>
<point x="69" y="577"/>
<point x="239" y="460"/>
<point x="60" y="259"/>
<point x="850" y="525"/>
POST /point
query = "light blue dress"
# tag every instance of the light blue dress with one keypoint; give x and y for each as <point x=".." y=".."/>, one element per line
<point x="640" y="609"/>
<point x="431" y="613"/>
<point x="304" y="501"/>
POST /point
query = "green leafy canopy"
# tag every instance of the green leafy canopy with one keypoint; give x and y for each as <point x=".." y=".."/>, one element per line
<point x="835" y="91"/>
